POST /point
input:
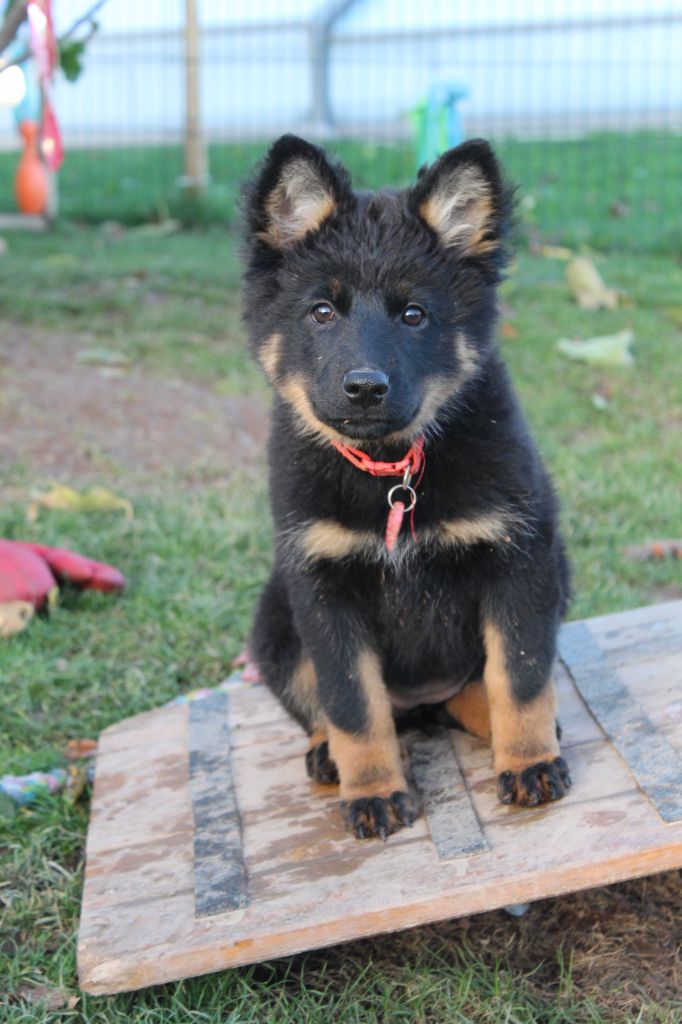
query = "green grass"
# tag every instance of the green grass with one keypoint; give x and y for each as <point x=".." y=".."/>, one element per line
<point x="171" y="304"/>
<point x="195" y="558"/>
<point x="606" y="190"/>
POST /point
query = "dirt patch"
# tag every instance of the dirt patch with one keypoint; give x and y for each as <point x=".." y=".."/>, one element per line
<point x="622" y="945"/>
<point x="664" y="592"/>
<point x="67" y="421"/>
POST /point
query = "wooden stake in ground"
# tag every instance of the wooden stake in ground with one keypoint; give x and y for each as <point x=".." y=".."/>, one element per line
<point x="196" y="164"/>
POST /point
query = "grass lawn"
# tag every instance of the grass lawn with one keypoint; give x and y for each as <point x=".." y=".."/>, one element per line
<point x="195" y="554"/>
<point x="607" y="190"/>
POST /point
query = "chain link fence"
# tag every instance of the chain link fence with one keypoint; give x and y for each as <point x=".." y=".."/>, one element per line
<point x="584" y="102"/>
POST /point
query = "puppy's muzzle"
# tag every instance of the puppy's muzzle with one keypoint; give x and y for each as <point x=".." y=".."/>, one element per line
<point x="365" y="387"/>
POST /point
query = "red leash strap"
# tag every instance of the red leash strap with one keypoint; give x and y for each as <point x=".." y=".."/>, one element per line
<point x="410" y="466"/>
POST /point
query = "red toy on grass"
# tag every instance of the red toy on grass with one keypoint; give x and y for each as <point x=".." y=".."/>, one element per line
<point x="30" y="573"/>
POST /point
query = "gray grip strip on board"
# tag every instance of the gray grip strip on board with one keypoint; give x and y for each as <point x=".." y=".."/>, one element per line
<point x="219" y="870"/>
<point x="452" y="820"/>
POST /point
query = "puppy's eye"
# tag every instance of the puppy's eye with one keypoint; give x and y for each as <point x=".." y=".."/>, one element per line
<point x="322" y="313"/>
<point x="413" y="316"/>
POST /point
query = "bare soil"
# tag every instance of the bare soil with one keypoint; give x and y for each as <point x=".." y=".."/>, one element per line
<point x="72" y="422"/>
<point x="623" y="944"/>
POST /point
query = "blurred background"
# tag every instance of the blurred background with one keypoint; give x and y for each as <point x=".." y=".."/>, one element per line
<point x="175" y="100"/>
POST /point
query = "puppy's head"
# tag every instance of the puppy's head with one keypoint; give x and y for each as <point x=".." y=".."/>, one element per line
<point x="370" y="314"/>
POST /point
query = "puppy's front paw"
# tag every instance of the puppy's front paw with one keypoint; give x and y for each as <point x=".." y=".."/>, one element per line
<point x="377" y="815"/>
<point x="320" y="766"/>
<point x="538" y="784"/>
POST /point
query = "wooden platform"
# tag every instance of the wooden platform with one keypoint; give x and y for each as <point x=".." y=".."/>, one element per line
<point x="208" y="847"/>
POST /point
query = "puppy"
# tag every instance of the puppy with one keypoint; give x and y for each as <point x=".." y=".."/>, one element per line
<point x="418" y="564"/>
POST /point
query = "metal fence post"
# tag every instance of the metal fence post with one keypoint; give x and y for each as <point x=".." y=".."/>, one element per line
<point x="321" y="116"/>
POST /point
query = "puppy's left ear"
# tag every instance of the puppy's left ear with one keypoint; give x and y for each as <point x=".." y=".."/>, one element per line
<point x="297" y="190"/>
<point x="464" y="199"/>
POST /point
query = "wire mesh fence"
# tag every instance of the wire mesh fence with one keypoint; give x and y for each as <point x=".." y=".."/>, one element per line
<point x="584" y="102"/>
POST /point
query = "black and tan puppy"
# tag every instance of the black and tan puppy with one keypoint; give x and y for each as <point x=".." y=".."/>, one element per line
<point x="373" y="318"/>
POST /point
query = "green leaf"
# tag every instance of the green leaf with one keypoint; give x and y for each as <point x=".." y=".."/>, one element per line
<point x="71" y="58"/>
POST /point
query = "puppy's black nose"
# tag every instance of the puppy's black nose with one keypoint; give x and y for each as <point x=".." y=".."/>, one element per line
<point x="365" y="387"/>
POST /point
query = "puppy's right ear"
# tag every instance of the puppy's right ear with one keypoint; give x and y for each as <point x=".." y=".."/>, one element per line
<point x="297" y="190"/>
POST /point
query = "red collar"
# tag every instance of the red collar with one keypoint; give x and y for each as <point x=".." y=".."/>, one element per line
<point x="412" y="462"/>
<point x="408" y="467"/>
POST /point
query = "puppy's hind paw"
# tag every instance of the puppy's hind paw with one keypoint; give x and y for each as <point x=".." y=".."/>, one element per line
<point x="377" y="815"/>
<point x="320" y="766"/>
<point x="538" y="784"/>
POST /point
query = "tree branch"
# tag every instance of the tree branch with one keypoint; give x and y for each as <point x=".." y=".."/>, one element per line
<point x="10" y="26"/>
<point x="87" y="18"/>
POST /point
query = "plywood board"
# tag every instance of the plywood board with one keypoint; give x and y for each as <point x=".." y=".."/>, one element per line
<point x="209" y="847"/>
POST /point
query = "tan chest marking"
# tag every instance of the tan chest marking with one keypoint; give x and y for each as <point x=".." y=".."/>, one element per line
<point x="328" y="539"/>
<point x="490" y="527"/>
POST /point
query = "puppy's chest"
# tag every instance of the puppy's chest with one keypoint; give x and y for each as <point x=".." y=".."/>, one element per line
<point x="425" y="617"/>
<point x="423" y="598"/>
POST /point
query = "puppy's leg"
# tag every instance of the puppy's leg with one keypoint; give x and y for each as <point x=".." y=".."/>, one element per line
<point x="289" y="673"/>
<point x="374" y="797"/>
<point x="318" y="760"/>
<point x="363" y="743"/>
<point x="339" y="698"/>
<point x="523" y="713"/>
<point x="470" y="710"/>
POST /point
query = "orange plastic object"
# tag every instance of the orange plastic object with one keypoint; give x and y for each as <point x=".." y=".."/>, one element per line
<point x="31" y="183"/>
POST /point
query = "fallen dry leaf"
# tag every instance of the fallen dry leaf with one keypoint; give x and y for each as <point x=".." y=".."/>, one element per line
<point x="509" y="332"/>
<point x="62" y="261"/>
<point x="599" y="401"/>
<point x="556" y="252"/>
<point x="50" y="998"/>
<point x="620" y="209"/>
<point x="587" y="287"/>
<point x="97" y="499"/>
<point x="80" y="748"/>
<point x="76" y="782"/>
<point x="608" y="350"/>
<point x="656" y="549"/>
<point x="103" y="357"/>
<point x="160" y="229"/>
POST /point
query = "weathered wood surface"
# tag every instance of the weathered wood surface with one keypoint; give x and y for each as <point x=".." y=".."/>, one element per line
<point x="308" y="883"/>
<point x="656" y="766"/>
